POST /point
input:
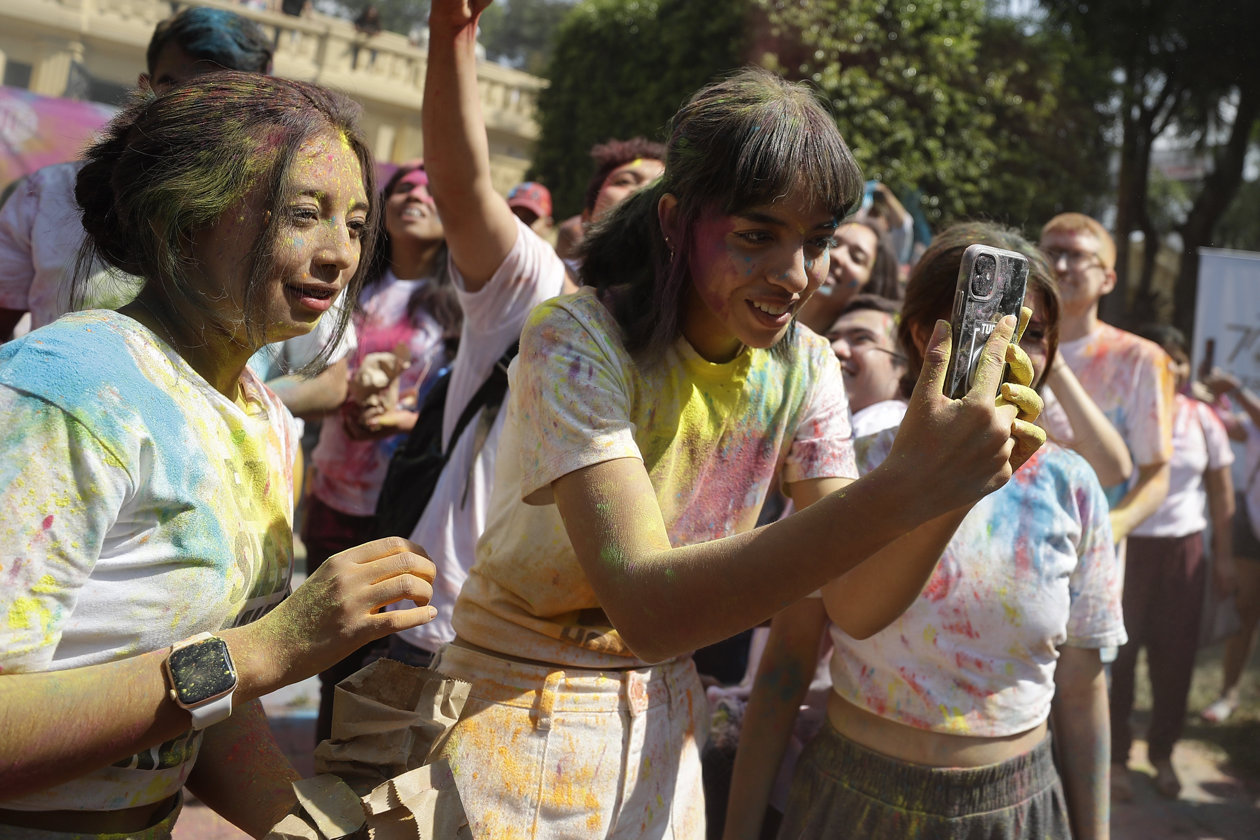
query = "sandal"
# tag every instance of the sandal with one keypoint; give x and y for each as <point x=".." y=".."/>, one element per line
<point x="1219" y="711"/>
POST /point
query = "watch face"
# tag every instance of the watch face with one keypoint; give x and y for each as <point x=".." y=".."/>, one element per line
<point x="202" y="671"/>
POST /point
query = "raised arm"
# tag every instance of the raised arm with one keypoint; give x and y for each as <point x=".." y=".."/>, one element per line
<point x="1096" y="439"/>
<point x="480" y="228"/>
<point x="666" y="601"/>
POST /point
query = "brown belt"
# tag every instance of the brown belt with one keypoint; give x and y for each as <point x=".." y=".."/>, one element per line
<point x="92" y="822"/>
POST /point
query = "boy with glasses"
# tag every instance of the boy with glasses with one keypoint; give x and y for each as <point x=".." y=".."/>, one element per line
<point x="1127" y="376"/>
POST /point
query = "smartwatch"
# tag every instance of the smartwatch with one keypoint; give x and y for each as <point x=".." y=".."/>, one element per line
<point x="202" y="678"/>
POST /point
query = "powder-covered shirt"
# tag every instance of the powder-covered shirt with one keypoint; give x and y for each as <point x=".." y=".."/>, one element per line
<point x="456" y="513"/>
<point x="1030" y="568"/>
<point x="1131" y="380"/>
<point x="40" y="238"/>
<point x="348" y="472"/>
<point x="712" y="438"/>
<point x="138" y="507"/>
<point x="1200" y="443"/>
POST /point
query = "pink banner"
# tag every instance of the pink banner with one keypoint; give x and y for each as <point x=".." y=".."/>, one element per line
<point x="38" y="130"/>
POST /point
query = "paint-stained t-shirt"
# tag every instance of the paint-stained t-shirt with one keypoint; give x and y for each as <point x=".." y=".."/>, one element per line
<point x="1200" y="443"/>
<point x="1131" y="380"/>
<point x="138" y="507"/>
<point x="1030" y="568"/>
<point x="712" y="438"/>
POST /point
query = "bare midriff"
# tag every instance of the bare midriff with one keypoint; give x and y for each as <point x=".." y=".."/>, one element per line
<point x="922" y="746"/>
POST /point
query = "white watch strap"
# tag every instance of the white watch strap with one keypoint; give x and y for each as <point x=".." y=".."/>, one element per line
<point x="212" y="712"/>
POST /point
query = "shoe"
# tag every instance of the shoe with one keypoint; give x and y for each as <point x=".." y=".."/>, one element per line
<point x="1166" y="781"/>
<point x="1219" y="711"/>
<point x="1121" y="784"/>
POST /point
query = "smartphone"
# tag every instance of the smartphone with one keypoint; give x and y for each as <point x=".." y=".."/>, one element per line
<point x="991" y="285"/>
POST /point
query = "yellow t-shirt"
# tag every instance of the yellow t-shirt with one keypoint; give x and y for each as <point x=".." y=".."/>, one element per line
<point x="712" y="437"/>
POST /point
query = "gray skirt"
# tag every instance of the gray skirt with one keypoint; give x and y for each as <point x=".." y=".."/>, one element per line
<point x="842" y="789"/>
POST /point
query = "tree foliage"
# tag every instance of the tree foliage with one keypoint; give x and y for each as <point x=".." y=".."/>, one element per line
<point x="977" y="116"/>
<point x="521" y="33"/>
<point x="1177" y="66"/>
<point x="620" y="69"/>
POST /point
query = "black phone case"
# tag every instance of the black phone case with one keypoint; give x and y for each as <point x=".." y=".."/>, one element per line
<point x="979" y="303"/>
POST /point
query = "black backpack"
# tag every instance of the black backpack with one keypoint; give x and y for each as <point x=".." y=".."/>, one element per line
<point x="415" y="466"/>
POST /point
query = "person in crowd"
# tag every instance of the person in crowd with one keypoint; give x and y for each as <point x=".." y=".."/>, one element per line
<point x="861" y="261"/>
<point x="938" y="724"/>
<point x="146" y="487"/>
<point x="864" y="339"/>
<point x="1243" y="427"/>
<point x="882" y="211"/>
<point x="1128" y="377"/>
<point x="1166" y="574"/>
<point x="407" y="314"/>
<point x="622" y="167"/>
<point x="530" y="202"/>
<point x="41" y="235"/>
<point x="501" y="268"/>
<point x="639" y="443"/>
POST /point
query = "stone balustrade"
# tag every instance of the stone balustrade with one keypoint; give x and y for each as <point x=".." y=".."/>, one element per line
<point x="106" y="39"/>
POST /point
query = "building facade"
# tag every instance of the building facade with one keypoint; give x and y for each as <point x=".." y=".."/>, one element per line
<point x="95" y="49"/>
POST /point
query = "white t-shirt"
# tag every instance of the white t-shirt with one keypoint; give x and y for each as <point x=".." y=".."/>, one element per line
<point x="1200" y="443"/>
<point x="877" y="417"/>
<point x="456" y="513"/>
<point x="1030" y="568"/>
<point x="140" y="507"/>
<point x="40" y="238"/>
<point x="712" y="437"/>
<point x="348" y="472"/>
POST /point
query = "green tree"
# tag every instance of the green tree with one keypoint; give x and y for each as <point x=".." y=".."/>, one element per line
<point x="620" y="68"/>
<point x="521" y="33"/>
<point x="976" y="115"/>
<point x="1181" y="66"/>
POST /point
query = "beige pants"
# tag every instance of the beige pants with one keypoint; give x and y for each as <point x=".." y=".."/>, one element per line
<point x="541" y="753"/>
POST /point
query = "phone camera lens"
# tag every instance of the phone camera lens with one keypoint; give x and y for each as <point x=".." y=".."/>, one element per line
<point x="982" y="276"/>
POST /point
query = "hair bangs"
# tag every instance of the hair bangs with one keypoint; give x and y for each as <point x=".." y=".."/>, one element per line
<point x="787" y="149"/>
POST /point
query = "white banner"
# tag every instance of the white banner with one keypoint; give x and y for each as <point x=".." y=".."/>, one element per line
<point x="1227" y="319"/>
<point x="1227" y="313"/>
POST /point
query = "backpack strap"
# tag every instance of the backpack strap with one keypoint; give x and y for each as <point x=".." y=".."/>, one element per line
<point x="491" y="392"/>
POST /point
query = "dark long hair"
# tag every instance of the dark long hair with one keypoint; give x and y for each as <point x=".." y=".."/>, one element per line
<point x="743" y="141"/>
<point x="884" y="280"/>
<point x="437" y="298"/>
<point x="170" y="166"/>
<point x="934" y="279"/>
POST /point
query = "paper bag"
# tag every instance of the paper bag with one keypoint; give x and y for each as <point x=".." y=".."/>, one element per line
<point x="388" y="718"/>
<point x="421" y="804"/>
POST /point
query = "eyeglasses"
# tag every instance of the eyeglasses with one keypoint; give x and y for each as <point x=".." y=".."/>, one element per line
<point x="1076" y="260"/>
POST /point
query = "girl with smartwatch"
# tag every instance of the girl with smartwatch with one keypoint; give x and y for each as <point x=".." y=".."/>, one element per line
<point x="146" y="488"/>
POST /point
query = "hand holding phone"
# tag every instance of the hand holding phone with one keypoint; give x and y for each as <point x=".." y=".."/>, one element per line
<point x="991" y="285"/>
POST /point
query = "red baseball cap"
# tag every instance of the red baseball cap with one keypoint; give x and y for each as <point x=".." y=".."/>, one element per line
<point x="532" y="196"/>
